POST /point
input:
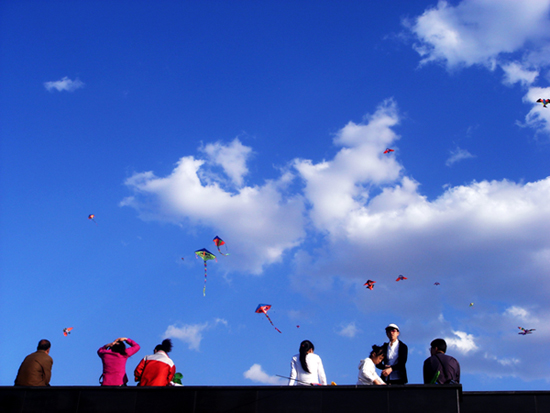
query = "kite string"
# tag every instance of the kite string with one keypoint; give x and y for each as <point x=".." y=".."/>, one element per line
<point x="204" y="288"/>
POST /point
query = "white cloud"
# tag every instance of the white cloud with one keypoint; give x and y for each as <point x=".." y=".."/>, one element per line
<point x="350" y="330"/>
<point x="261" y="220"/>
<point x="457" y="155"/>
<point x="463" y="344"/>
<point x="538" y="117"/>
<point x="478" y="31"/>
<point x="190" y="334"/>
<point x="515" y="72"/>
<point x="64" y="84"/>
<point x="256" y="374"/>
<point x="232" y="158"/>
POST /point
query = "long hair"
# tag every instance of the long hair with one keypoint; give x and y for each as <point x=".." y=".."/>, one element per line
<point x="165" y="346"/>
<point x="305" y="346"/>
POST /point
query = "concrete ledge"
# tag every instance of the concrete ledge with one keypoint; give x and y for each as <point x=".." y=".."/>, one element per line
<point x="245" y="399"/>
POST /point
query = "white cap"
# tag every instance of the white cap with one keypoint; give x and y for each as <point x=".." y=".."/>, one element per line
<point x="392" y="326"/>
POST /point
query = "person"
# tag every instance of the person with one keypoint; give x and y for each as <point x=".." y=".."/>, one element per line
<point x="306" y="367"/>
<point x="367" y="372"/>
<point x="36" y="369"/>
<point x="395" y="357"/>
<point x="157" y="369"/>
<point x="114" y="356"/>
<point x="440" y="368"/>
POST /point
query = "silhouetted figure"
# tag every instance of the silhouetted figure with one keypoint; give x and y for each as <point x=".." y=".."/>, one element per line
<point x="36" y="369"/>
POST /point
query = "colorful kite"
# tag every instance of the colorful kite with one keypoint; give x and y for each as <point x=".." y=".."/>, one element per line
<point x="219" y="242"/>
<point x="205" y="255"/>
<point x="67" y="331"/>
<point x="401" y="277"/>
<point x="91" y="216"/>
<point x="471" y="304"/>
<point x="388" y="150"/>
<point x="370" y="284"/>
<point x="524" y="331"/>
<point x="544" y="102"/>
<point x="263" y="308"/>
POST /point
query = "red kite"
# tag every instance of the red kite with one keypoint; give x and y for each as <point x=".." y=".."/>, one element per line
<point x="370" y="284"/>
<point x="91" y="216"/>
<point x="388" y="150"/>
<point x="263" y="308"/>
<point x="67" y="331"/>
<point x="219" y="242"/>
<point x="401" y="277"/>
<point x="544" y="102"/>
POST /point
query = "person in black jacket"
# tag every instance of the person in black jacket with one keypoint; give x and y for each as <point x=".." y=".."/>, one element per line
<point x="396" y="353"/>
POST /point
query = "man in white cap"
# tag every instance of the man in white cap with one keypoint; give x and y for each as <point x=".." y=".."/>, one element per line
<point x="396" y="353"/>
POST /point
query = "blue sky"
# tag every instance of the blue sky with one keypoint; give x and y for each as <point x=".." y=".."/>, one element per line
<point x="265" y="123"/>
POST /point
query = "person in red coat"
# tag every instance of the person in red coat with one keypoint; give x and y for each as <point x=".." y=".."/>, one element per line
<point x="157" y="369"/>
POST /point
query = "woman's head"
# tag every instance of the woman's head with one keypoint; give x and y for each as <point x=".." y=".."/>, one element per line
<point x="306" y="347"/>
<point x="165" y="346"/>
<point x="119" y="347"/>
<point x="377" y="354"/>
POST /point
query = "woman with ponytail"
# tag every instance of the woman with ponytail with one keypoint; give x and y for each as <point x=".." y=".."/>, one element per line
<point x="157" y="369"/>
<point x="306" y="368"/>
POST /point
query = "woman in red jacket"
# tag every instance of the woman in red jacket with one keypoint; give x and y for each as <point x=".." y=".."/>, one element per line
<point x="157" y="369"/>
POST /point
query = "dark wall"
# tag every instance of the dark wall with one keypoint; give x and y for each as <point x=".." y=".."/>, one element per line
<point x="245" y="399"/>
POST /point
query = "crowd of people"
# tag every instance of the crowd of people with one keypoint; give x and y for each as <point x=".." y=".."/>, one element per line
<point x="156" y="369"/>
<point x="306" y="367"/>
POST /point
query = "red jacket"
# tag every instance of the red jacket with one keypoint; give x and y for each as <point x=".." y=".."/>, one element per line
<point x="155" y="370"/>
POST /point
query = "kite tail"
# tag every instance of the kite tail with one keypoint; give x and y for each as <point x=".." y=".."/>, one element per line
<point x="221" y="252"/>
<point x="204" y="288"/>
<point x="272" y="323"/>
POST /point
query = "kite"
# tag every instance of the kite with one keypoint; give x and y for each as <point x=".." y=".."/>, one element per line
<point x="436" y="283"/>
<point x="370" y="284"/>
<point x="544" y="102"/>
<point x="219" y="242"/>
<point x="263" y="308"/>
<point x="388" y="150"/>
<point x="471" y="304"/>
<point x="67" y="331"/>
<point x="205" y="255"/>
<point x="524" y="331"/>
<point x="91" y="216"/>
<point x="401" y="277"/>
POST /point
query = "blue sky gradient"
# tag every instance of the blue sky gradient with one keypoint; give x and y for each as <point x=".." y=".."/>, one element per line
<point x="265" y="123"/>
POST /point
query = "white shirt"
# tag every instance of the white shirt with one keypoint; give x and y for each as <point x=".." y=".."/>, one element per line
<point x="393" y="353"/>
<point x="367" y="373"/>
<point x="316" y="373"/>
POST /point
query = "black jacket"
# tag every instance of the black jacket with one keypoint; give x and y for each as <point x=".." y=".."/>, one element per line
<point x="402" y="355"/>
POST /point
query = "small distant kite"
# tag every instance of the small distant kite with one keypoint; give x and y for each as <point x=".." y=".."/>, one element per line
<point x="471" y="304"/>
<point x="263" y="308"/>
<point x="219" y="242"/>
<point x="436" y="283"/>
<point x="401" y="277"/>
<point x="524" y="331"/>
<point x="205" y="255"/>
<point x="370" y="284"/>
<point x="544" y="102"/>
<point x="388" y="150"/>
<point x="91" y="216"/>
<point x="67" y="331"/>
